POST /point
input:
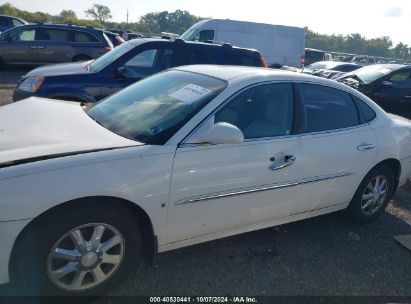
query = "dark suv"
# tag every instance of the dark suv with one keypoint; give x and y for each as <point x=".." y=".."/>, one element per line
<point x="126" y="64"/>
<point x="8" y="22"/>
<point x="52" y="43"/>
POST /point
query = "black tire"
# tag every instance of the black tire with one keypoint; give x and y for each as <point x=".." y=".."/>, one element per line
<point x="30" y="259"/>
<point x="355" y="210"/>
<point x="79" y="58"/>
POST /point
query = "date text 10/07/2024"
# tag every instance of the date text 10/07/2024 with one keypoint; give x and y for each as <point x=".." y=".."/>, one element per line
<point x="236" y="299"/>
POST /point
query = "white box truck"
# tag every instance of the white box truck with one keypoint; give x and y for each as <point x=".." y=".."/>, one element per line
<point x="279" y="44"/>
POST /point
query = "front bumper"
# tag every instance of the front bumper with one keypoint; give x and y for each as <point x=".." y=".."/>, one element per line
<point x="9" y="232"/>
<point x="19" y="95"/>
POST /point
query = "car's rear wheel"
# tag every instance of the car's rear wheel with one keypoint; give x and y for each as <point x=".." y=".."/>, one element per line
<point x="373" y="195"/>
<point x="84" y="250"/>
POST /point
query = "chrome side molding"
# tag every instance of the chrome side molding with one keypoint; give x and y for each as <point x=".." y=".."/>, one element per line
<point x="263" y="188"/>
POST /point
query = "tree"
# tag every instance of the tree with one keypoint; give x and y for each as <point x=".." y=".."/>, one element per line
<point x="99" y="12"/>
<point x="68" y="15"/>
<point x="174" y="22"/>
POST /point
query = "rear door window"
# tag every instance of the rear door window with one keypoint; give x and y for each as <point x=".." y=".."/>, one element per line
<point x="327" y="108"/>
<point x="242" y="59"/>
<point x="188" y="56"/>
<point x="55" y="35"/>
<point x="84" y="37"/>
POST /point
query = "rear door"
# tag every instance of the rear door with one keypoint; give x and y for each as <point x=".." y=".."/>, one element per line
<point x="22" y="48"/>
<point x="338" y="147"/>
<point x="54" y="45"/>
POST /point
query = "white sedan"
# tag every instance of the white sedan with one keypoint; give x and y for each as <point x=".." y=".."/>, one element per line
<point x="186" y="156"/>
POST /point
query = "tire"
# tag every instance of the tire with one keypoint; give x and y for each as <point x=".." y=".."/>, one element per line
<point x="365" y="205"/>
<point x="94" y="272"/>
<point x="79" y="58"/>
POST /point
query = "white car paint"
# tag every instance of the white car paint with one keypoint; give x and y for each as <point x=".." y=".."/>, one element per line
<point x="170" y="182"/>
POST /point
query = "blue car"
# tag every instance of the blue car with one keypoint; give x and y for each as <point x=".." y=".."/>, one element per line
<point x="8" y="22"/>
<point x="136" y="59"/>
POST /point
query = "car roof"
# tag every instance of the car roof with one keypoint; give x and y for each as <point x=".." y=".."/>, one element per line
<point x="68" y="26"/>
<point x="188" y="43"/>
<point x="227" y="73"/>
<point x="13" y="17"/>
<point x="258" y="74"/>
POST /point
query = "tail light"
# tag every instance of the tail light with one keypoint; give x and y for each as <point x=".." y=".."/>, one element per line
<point x="263" y="62"/>
<point x="107" y="49"/>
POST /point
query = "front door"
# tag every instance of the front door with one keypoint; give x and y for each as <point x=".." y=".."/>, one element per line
<point x="22" y="48"/>
<point x="221" y="187"/>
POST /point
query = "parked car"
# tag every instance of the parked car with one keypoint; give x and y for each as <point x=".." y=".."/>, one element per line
<point x="52" y="43"/>
<point x="280" y="45"/>
<point x="389" y="85"/>
<point x="312" y="55"/>
<point x="8" y="22"/>
<point x="330" y="69"/>
<point x="125" y="65"/>
<point x="186" y="156"/>
<point x="115" y="38"/>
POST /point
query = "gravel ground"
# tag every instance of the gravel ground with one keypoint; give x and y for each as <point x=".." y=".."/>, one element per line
<point x="322" y="256"/>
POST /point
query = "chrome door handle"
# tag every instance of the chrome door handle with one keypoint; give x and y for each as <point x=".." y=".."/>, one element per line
<point x="365" y="147"/>
<point x="288" y="161"/>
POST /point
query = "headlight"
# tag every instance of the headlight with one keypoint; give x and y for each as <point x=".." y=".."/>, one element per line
<point x="31" y="84"/>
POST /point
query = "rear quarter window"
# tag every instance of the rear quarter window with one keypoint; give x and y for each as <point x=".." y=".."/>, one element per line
<point x="84" y="37"/>
<point x="366" y="112"/>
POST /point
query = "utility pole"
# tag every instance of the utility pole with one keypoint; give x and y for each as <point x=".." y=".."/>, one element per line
<point x="127" y="21"/>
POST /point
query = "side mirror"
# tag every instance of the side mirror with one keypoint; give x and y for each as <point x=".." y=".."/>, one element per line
<point x="386" y="84"/>
<point x="219" y="133"/>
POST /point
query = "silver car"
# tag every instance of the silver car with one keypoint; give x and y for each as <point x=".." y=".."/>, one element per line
<point x="52" y="43"/>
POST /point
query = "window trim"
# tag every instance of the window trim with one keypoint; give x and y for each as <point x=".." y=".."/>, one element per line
<point x="183" y="143"/>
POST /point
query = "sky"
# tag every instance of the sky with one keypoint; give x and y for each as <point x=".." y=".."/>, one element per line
<point x="371" y="18"/>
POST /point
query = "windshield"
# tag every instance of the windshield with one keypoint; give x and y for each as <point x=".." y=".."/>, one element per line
<point x="103" y="61"/>
<point x="371" y="73"/>
<point x="189" y="34"/>
<point x="153" y="109"/>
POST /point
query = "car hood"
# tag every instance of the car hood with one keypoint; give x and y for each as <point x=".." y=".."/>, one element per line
<point x="38" y="127"/>
<point x="61" y="69"/>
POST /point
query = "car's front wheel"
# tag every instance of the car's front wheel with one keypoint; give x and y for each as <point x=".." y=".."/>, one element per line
<point x="373" y="195"/>
<point x="84" y="250"/>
